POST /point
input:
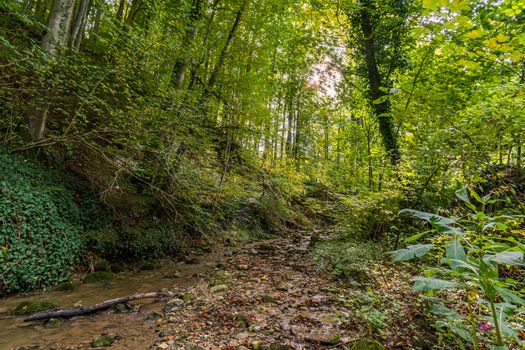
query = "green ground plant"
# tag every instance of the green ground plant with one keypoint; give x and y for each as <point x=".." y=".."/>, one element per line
<point x="476" y="253"/>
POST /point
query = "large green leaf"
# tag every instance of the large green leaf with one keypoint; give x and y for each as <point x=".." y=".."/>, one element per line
<point x="430" y="217"/>
<point x="456" y="251"/>
<point x="411" y="252"/>
<point x="510" y="296"/>
<point x="509" y="258"/>
<point x="425" y="284"/>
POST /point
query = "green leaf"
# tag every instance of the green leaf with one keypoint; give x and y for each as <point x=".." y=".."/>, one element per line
<point x="463" y="194"/>
<point x="425" y="284"/>
<point x="509" y="258"/>
<point x="415" y="237"/>
<point x="459" y="265"/>
<point x="456" y="251"/>
<point x="411" y="252"/>
<point x="509" y="296"/>
<point x="430" y="217"/>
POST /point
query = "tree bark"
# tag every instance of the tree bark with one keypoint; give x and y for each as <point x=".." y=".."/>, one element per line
<point x="52" y="42"/>
<point x="214" y="74"/>
<point x="90" y="309"/>
<point x="378" y="98"/>
<point x="78" y="23"/>
<point x="179" y="70"/>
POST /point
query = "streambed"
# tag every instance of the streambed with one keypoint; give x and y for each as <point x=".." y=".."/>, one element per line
<point x="134" y="329"/>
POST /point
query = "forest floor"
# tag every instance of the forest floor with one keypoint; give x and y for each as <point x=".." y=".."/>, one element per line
<point x="270" y="295"/>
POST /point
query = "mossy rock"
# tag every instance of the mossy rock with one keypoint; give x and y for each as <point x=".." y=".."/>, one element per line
<point x="67" y="286"/>
<point x="148" y="266"/>
<point x="117" y="268"/>
<point x="98" y="276"/>
<point x="32" y="306"/>
<point x="102" y="265"/>
<point x="368" y="344"/>
<point x="104" y="341"/>
<point x="54" y="323"/>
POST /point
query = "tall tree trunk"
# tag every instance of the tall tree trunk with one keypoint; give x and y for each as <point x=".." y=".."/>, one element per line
<point x="378" y="98"/>
<point x="120" y="11"/>
<point x="179" y="70"/>
<point x="52" y="42"/>
<point x="135" y="7"/>
<point x="78" y="23"/>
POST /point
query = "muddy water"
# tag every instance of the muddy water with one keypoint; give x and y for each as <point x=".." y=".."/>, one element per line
<point x="133" y="327"/>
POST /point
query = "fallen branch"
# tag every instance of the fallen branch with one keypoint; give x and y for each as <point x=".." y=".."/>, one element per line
<point x="79" y="311"/>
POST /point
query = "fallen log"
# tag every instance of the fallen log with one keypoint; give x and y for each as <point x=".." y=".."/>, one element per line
<point x="85" y="310"/>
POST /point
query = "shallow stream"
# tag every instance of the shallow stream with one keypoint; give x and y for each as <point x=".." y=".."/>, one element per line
<point x="134" y="329"/>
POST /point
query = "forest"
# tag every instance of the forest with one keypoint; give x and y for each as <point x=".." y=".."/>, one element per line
<point x="262" y="174"/>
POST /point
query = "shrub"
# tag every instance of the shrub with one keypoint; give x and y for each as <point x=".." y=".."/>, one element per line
<point x="40" y="227"/>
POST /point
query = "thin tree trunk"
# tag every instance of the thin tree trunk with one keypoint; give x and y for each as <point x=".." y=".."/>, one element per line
<point x="76" y="28"/>
<point x="120" y="11"/>
<point x="222" y="57"/>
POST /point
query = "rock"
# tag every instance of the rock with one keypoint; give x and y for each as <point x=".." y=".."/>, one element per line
<point x="175" y="302"/>
<point x="101" y="265"/>
<point x="268" y="298"/>
<point x="282" y="287"/>
<point x="122" y="307"/>
<point x="103" y="341"/>
<point x="257" y="345"/>
<point x="99" y="276"/>
<point x="147" y="266"/>
<point x="254" y="252"/>
<point x="243" y="267"/>
<point x="32" y="306"/>
<point x="368" y="344"/>
<point x="116" y="267"/>
<point x="193" y="261"/>
<point x="155" y="315"/>
<point x="67" y="286"/>
<point x="54" y="322"/>
<point x="176" y="274"/>
<point x="188" y="297"/>
<point x="162" y="346"/>
<point x="191" y="346"/>
<point x="219" y="288"/>
<point x="279" y="346"/>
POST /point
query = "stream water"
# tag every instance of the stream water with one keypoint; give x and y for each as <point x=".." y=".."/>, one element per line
<point x="133" y="328"/>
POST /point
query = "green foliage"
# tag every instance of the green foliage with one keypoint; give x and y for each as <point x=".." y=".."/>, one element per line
<point x="348" y="260"/>
<point x="40" y="233"/>
<point x="476" y="251"/>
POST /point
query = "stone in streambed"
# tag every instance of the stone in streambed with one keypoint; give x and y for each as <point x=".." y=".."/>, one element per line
<point x="219" y="288"/>
<point x="191" y="346"/>
<point x="67" y="286"/>
<point x="104" y="341"/>
<point x="32" y="306"/>
<point x="54" y="322"/>
<point x="175" y="302"/>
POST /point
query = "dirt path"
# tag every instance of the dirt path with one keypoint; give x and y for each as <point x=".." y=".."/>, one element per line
<point x="267" y="295"/>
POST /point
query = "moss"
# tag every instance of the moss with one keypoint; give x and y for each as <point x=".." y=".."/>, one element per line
<point x="368" y="344"/>
<point x="67" y="286"/>
<point x="103" y="341"/>
<point x="147" y="266"/>
<point x="32" y="306"/>
<point x="98" y="276"/>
